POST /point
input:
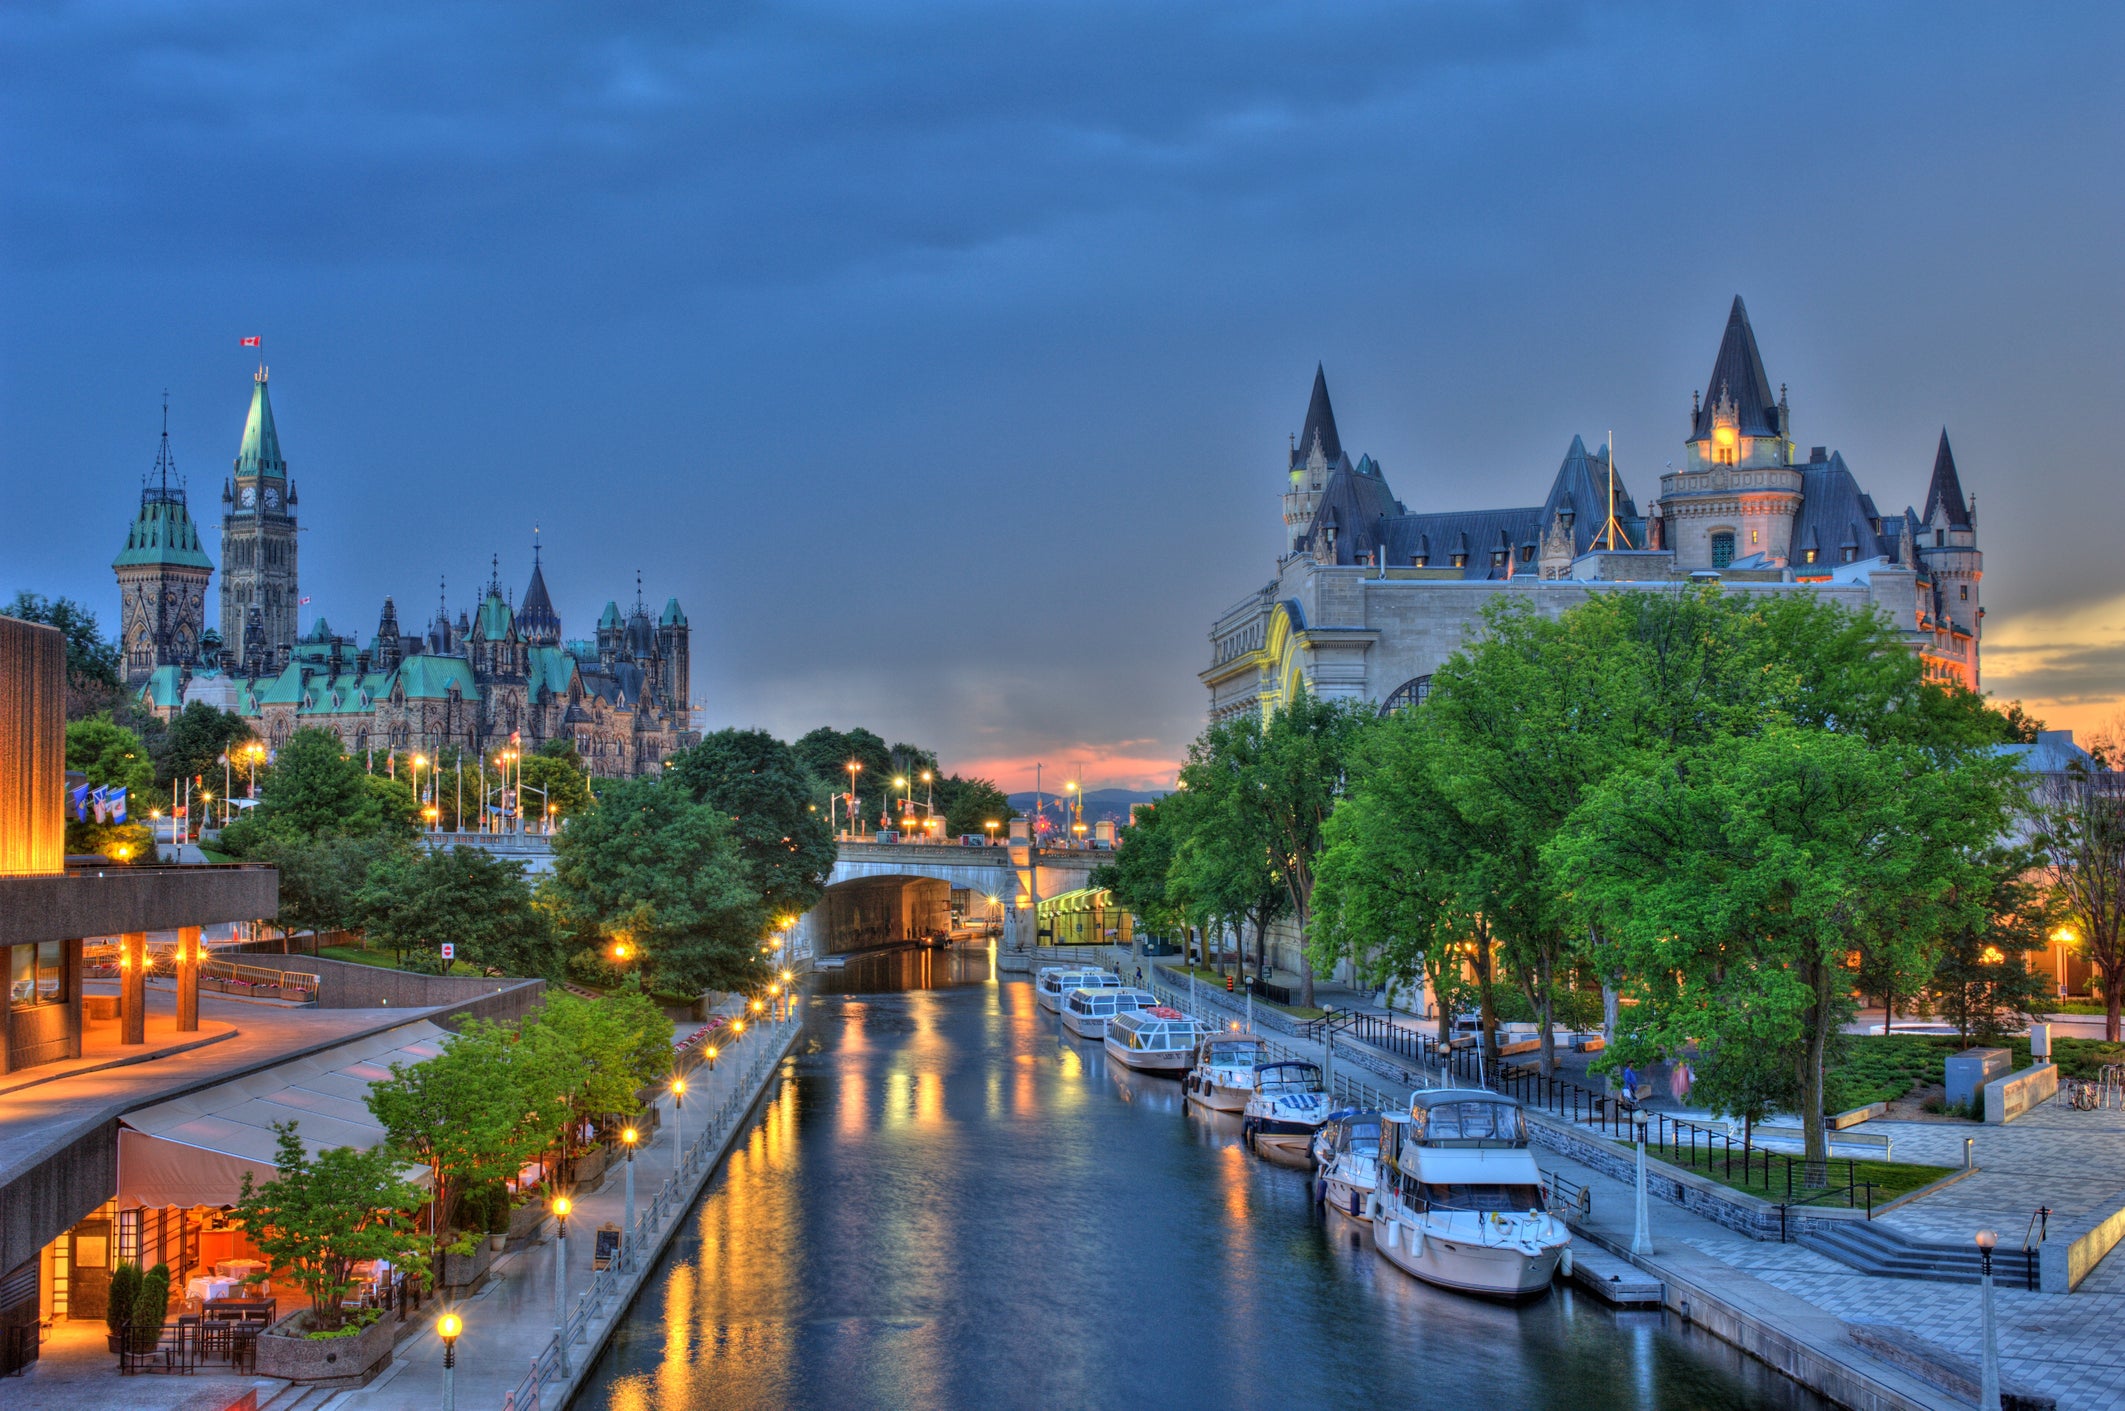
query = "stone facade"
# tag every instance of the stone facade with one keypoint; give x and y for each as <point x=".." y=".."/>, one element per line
<point x="259" y="587"/>
<point x="1371" y="598"/>
<point x="162" y="577"/>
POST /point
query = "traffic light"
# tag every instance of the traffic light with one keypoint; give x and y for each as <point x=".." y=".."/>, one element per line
<point x="1228" y="984"/>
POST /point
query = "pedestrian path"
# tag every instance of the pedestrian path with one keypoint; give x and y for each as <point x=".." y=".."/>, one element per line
<point x="509" y="1323"/>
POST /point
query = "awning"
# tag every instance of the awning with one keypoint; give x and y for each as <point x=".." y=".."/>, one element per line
<point x="196" y="1149"/>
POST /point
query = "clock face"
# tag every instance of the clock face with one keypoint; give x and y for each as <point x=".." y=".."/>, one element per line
<point x="272" y="498"/>
<point x="249" y="496"/>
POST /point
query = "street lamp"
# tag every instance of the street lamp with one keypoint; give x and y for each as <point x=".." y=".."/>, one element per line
<point x="628" y="1137"/>
<point x="711" y="1052"/>
<point x="1988" y="1395"/>
<point x="991" y="826"/>
<point x="855" y="767"/>
<point x="678" y="1113"/>
<point x="448" y="1327"/>
<point x="561" y="1206"/>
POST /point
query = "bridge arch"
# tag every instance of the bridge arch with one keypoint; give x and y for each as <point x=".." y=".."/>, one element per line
<point x="882" y="893"/>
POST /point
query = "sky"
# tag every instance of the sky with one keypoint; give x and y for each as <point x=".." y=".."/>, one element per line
<point x="941" y="359"/>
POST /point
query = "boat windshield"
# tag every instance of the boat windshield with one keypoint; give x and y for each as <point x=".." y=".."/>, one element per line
<point x="1234" y="1053"/>
<point x="1506" y="1199"/>
<point x="1287" y="1078"/>
<point x="1470" y="1121"/>
<point x="1362" y="1138"/>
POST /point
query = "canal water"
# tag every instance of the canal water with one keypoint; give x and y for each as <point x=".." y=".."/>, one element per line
<point x="952" y="1203"/>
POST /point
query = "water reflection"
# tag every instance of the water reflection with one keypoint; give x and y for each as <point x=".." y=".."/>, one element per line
<point x="951" y="1202"/>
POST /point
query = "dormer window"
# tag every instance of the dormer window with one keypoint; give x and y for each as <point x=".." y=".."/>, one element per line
<point x="1497" y="558"/>
<point x="1940" y="538"/>
<point x="1460" y="560"/>
<point x="1419" y="560"/>
<point x="1810" y="556"/>
<point x="1527" y="552"/>
<point x="1851" y="553"/>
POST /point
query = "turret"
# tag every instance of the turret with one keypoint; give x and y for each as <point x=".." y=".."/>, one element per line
<point x="1315" y="455"/>
<point x="1738" y="492"/>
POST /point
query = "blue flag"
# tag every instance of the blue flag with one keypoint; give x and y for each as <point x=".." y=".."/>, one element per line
<point x="81" y="804"/>
<point x="116" y="804"/>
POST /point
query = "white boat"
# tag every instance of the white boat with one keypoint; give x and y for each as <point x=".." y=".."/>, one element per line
<point x="1223" y="1076"/>
<point x="1155" y="1040"/>
<point x="1085" y="1012"/>
<point x="1285" y="1110"/>
<point x="1055" y="981"/>
<point x="1459" y="1201"/>
<point x="1346" y="1153"/>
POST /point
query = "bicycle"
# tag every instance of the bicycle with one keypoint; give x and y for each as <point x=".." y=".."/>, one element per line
<point x="2081" y="1095"/>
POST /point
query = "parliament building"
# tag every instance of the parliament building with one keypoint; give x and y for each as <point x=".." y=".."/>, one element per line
<point x="1370" y="597"/>
<point x="505" y="669"/>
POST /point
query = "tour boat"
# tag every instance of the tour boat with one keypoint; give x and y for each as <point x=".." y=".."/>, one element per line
<point x="1055" y="981"/>
<point x="1459" y="1201"/>
<point x="1346" y="1153"/>
<point x="1085" y="1012"/>
<point x="1223" y="1076"/>
<point x="1285" y="1110"/>
<point x="1155" y="1040"/>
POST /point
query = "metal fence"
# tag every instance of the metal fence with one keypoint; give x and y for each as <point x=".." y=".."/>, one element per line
<point x="671" y="1198"/>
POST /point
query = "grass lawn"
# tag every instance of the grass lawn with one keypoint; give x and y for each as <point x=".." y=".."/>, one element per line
<point x="214" y="854"/>
<point x="381" y="959"/>
<point x="1884" y="1067"/>
<point x="1889" y="1178"/>
<point x="1216" y="981"/>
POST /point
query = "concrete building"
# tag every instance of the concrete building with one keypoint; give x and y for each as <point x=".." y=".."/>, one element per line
<point x="1371" y="597"/>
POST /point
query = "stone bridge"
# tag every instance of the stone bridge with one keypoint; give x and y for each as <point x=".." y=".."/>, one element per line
<point x="879" y="893"/>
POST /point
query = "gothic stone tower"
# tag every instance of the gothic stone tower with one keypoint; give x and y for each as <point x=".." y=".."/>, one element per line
<point x="1314" y="457"/>
<point x="1947" y="547"/>
<point x="258" y="546"/>
<point x="1736" y="496"/>
<point x="162" y="576"/>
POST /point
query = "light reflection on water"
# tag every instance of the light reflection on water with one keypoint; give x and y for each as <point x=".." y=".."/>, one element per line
<point x="954" y="1203"/>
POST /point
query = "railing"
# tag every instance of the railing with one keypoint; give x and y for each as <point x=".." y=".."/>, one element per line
<point x="230" y="978"/>
<point x="670" y="1198"/>
<point x="2040" y="1226"/>
<point x="1562" y="1192"/>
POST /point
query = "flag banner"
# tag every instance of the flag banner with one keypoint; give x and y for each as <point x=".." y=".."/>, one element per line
<point x="100" y="801"/>
<point x="251" y="342"/>
<point x="81" y="804"/>
<point x="302" y="602"/>
<point x="117" y="805"/>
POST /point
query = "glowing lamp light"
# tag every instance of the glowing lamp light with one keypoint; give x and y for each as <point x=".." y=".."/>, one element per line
<point x="678" y="1087"/>
<point x="1724" y="437"/>
<point x="712" y="1053"/>
<point x="630" y="1135"/>
<point x="737" y="1026"/>
<point x="562" y="1205"/>
<point x="758" y="1005"/>
<point x="449" y="1326"/>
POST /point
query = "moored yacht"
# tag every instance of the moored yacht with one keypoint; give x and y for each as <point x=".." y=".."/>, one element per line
<point x="1346" y="1154"/>
<point x="1055" y="981"/>
<point x="1159" y="1039"/>
<point x="1459" y="1201"/>
<point x="1223" y="1076"/>
<point x="1285" y="1110"/>
<point x="1085" y="1012"/>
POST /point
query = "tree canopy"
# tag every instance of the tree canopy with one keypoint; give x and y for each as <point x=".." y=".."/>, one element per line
<point x="764" y="788"/>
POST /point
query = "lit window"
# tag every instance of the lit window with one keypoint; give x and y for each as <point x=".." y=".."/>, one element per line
<point x="1964" y="592"/>
<point x="1722" y="548"/>
<point x="36" y="974"/>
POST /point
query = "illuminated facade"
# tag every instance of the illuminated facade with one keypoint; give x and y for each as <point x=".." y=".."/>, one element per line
<point x="1370" y="598"/>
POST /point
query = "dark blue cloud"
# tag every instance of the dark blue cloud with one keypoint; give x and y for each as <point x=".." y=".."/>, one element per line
<point x="940" y="356"/>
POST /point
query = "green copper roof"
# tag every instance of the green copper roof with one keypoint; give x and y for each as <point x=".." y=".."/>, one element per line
<point x="430" y="677"/>
<point x="162" y="688"/>
<point x="260" y="452"/>
<point x="553" y="668"/>
<point x="611" y="617"/>
<point x="674" y="615"/>
<point x="163" y="533"/>
<point x="284" y="689"/>
<point x="495" y="619"/>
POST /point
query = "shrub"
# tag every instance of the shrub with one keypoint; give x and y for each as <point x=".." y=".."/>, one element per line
<point x="150" y="1306"/>
<point x="125" y="1289"/>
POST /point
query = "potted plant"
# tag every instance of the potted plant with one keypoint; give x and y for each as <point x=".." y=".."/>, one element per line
<point x="315" y="1220"/>
<point x="118" y="1310"/>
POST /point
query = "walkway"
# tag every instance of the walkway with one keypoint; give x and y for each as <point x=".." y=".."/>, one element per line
<point x="510" y="1319"/>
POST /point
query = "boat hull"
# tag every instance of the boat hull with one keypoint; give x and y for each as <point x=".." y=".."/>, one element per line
<point x="1084" y="1027"/>
<point x="1493" y="1271"/>
<point x="1219" y="1097"/>
<point x="1172" y="1063"/>
<point x="1352" y="1201"/>
<point x="1285" y="1143"/>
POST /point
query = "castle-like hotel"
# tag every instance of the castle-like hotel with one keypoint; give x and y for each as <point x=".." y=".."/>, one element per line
<point x="1369" y="599"/>
<point x="505" y="670"/>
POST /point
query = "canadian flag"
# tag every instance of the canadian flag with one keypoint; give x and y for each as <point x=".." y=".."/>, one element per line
<point x="251" y="342"/>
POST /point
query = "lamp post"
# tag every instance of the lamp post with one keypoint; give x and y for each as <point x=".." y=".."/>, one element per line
<point x="678" y="1116"/>
<point x="855" y="767"/>
<point x="628" y="1137"/>
<point x="1988" y="1394"/>
<point x="774" y="996"/>
<point x="561" y="1206"/>
<point x="710" y="1053"/>
<point x="448" y="1327"/>
<point x="1641" y="1233"/>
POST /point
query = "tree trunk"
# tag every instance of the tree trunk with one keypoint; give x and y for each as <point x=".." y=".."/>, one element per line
<point x="2113" y="993"/>
<point x="1305" y="912"/>
<point x="1611" y="1003"/>
<point x="1546" y="1014"/>
<point x="1440" y="1009"/>
<point x="1814" y="1138"/>
<point x="1486" y="1011"/>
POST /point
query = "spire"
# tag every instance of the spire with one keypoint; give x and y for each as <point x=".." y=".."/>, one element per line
<point x="260" y="452"/>
<point x="1946" y="491"/>
<point x="1738" y="376"/>
<point x="538" y="622"/>
<point x="1320" y="422"/>
<point x="164" y="465"/>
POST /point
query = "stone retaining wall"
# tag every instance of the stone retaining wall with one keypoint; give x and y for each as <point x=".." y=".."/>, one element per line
<point x="2009" y="1097"/>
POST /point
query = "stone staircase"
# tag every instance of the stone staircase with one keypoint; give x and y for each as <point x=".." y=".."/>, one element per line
<point x="1873" y="1247"/>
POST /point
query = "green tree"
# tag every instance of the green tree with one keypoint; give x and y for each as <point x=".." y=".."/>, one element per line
<point x="765" y="790"/>
<point x="111" y="756"/>
<point x="468" y="1114"/>
<point x="1227" y="867"/>
<point x="416" y="900"/>
<point x="92" y="661"/>
<point x="323" y="880"/>
<point x="651" y="864"/>
<point x="970" y="805"/>
<point x="1981" y="981"/>
<point x="151" y="1306"/>
<point x="1735" y="879"/>
<point x="124" y="1290"/>
<point x="321" y="1215"/>
<point x="314" y="790"/>
<point x="555" y="780"/>
<point x="2079" y="822"/>
<point x="194" y="743"/>
<point x="1139" y="873"/>
<point x="593" y="1056"/>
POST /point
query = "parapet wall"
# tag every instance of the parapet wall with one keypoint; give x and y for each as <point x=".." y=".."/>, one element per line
<point x="343" y="985"/>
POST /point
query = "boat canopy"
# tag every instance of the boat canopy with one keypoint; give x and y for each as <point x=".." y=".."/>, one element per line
<point x="1289" y="1076"/>
<point x="1234" y="1050"/>
<point x="1466" y="1116"/>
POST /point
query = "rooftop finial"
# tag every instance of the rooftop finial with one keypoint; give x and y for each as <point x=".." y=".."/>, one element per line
<point x="638" y="591"/>
<point x="534" y="545"/>
<point x="494" y="576"/>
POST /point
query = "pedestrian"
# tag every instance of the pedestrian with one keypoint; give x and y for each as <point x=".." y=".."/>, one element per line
<point x="1630" y="1085"/>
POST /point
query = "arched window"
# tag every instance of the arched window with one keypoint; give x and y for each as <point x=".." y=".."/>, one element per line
<point x="1413" y="692"/>
<point x="1722" y="548"/>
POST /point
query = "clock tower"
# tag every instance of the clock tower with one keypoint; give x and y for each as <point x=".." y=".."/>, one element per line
<point x="162" y="576"/>
<point x="258" y="585"/>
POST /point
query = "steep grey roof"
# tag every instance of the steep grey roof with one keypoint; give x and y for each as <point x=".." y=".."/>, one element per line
<point x="1582" y="487"/>
<point x="1474" y="533"/>
<point x="1321" y="421"/>
<point x="1354" y="504"/>
<point x="536" y="620"/>
<point x="1945" y="493"/>
<point x="1833" y="515"/>
<point x="1738" y="373"/>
